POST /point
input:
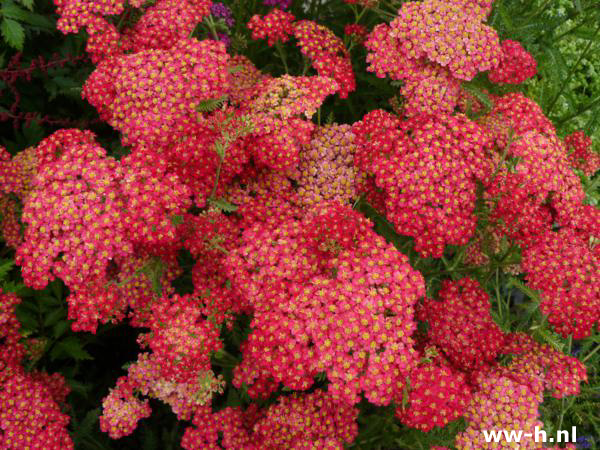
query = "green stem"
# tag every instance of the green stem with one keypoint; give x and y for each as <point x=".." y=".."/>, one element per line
<point x="211" y="27"/>
<point x="282" y="55"/>
<point x="590" y="354"/>
<point x="214" y="189"/>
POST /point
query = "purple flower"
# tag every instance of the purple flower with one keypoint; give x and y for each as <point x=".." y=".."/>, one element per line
<point x="281" y="4"/>
<point x="221" y="11"/>
<point x="224" y="39"/>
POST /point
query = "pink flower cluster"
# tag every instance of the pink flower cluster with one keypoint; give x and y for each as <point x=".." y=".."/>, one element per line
<point x="151" y="95"/>
<point x="431" y="46"/>
<point x="226" y="162"/>
<point x="581" y="155"/>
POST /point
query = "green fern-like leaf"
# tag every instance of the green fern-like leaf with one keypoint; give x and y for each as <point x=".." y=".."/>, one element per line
<point x="13" y="33"/>
<point x="212" y="104"/>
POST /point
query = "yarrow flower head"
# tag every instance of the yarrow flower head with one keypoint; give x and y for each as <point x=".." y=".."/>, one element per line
<point x="315" y="420"/>
<point x="429" y="179"/>
<point x="326" y="168"/>
<point x="328" y="296"/>
<point x="461" y="325"/>
<point x="565" y="268"/>
<point x="581" y="156"/>
<point x="275" y="26"/>
<point x="155" y="197"/>
<point x="516" y="64"/>
<point x="356" y="31"/>
<point x="437" y="395"/>
<point x="74" y="214"/>
<point x="327" y="53"/>
<point x="513" y="114"/>
<point x="164" y="24"/>
<point x="30" y="402"/>
<point x="182" y="339"/>
<point x="122" y="410"/>
<point x="151" y="95"/>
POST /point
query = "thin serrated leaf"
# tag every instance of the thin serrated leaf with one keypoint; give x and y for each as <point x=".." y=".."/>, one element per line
<point x="12" y="11"/>
<point x="70" y="348"/>
<point x="87" y="424"/>
<point x="59" y="329"/>
<point x="480" y="95"/>
<point x="54" y="316"/>
<point x="13" y="33"/>
<point x="5" y="267"/>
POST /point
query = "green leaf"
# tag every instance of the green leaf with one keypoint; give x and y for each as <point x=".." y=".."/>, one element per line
<point x="220" y="149"/>
<point x="223" y="205"/>
<point x="177" y="219"/>
<point x="13" y="33"/>
<point x="55" y="316"/>
<point x="211" y="104"/>
<point x="12" y="11"/>
<point x="60" y="328"/>
<point x="480" y="95"/>
<point x="5" y="266"/>
<point x="70" y="348"/>
<point x="39" y="21"/>
<point x="85" y="427"/>
<point x="27" y="318"/>
<point x="27" y="4"/>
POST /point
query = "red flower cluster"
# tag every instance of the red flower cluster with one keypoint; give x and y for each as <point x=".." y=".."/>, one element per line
<point x="581" y="156"/>
<point x="357" y="32"/>
<point x="328" y="295"/>
<point x="429" y="177"/>
<point x="313" y="420"/>
<point x="461" y="325"/>
<point x="324" y="49"/>
<point x="507" y="397"/>
<point x="431" y="46"/>
<point x="516" y="64"/>
<point x="275" y="27"/>
<point x="327" y="53"/>
<point x="30" y="402"/>
<point x="181" y="338"/>
<point x="437" y="395"/>
<point x="151" y="95"/>
<point x="74" y="215"/>
<point x="565" y="268"/>
<point x="226" y="162"/>
<point x="164" y="24"/>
